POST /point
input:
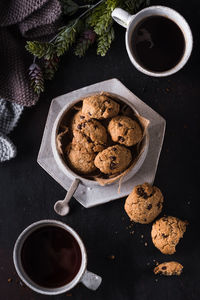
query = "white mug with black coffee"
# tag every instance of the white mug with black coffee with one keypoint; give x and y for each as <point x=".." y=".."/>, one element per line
<point x="50" y="258"/>
<point x="158" y="39"/>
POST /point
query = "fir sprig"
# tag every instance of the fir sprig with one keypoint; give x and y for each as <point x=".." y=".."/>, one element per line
<point x="67" y="37"/>
<point x="40" y="49"/>
<point x="85" y="41"/>
<point x="104" y="41"/>
<point x="95" y="23"/>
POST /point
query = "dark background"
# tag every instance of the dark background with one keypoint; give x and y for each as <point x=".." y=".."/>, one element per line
<point x="27" y="192"/>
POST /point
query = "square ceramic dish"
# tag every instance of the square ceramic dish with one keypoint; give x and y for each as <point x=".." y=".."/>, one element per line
<point x="90" y="196"/>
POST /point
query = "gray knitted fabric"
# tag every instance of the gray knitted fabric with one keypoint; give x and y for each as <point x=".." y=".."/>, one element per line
<point x="9" y="116"/>
<point x="22" y="20"/>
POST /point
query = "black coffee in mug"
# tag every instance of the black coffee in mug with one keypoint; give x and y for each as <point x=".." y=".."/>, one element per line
<point x="51" y="256"/>
<point x="158" y="43"/>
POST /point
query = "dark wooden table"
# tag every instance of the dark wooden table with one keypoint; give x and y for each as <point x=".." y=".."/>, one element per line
<point x="27" y="192"/>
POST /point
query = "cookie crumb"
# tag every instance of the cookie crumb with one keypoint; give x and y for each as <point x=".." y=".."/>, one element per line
<point x="111" y="257"/>
<point x="142" y="236"/>
<point x="145" y="244"/>
<point x="168" y="268"/>
<point x="9" y="280"/>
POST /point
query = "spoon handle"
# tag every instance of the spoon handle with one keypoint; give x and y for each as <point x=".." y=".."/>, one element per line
<point x="71" y="191"/>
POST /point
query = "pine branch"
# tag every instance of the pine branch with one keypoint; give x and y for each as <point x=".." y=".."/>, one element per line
<point x="104" y="41"/>
<point x="67" y="37"/>
<point x="69" y="7"/>
<point x="84" y="42"/>
<point x="105" y="19"/>
<point x="40" y="49"/>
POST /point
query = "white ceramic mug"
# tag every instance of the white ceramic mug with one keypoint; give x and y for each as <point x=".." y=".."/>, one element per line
<point x="90" y="280"/>
<point x="130" y="22"/>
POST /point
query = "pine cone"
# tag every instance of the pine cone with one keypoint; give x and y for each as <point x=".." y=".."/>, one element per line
<point x="50" y="67"/>
<point x="36" y="78"/>
<point x="89" y="35"/>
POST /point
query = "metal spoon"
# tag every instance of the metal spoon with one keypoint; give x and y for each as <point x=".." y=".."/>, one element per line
<point x="61" y="207"/>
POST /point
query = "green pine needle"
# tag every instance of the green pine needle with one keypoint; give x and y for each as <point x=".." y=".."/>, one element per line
<point x="40" y="49"/>
<point x="67" y="37"/>
<point x="104" y="42"/>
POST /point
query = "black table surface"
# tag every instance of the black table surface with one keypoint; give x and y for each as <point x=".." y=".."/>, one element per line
<point x="27" y="192"/>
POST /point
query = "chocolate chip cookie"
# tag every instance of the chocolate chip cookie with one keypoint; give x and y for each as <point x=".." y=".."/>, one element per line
<point x="78" y="118"/>
<point x="80" y="159"/>
<point x="125" y="131"/>
<point x="100" y="107"/>
<point x="91" y="134"/>
<point x="114" y="159"/>
<point x="144" y="203"/>
<point x="166" y="233"/>
<point x="169" y="268"/>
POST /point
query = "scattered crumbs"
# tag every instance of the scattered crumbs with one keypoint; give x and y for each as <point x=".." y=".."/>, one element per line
<point x="9" y="280"/>
<point x="111" y="257"/>
<point x="154" y="260"/>
<point x="167" y="90"/>
<point x="157" y="263"/>
<point x="142" y="236"/>
<point x="145" y="244"/>
<point x="132" y="232"/>
<point x="68" y="295"/>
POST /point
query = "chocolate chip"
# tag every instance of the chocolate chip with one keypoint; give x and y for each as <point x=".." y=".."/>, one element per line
<point x="95" y="127"/>
<point x="113" y="157"/>
<point x="120" y="138"/>
<point x="149" y="207"/>
<point x="84" y="124"/>
<point x="145" y="219"/>
<point x="141" y="193"/>
<point x="112" y="165"/>
<point x="164" y="268"/>
<point x="159" y="204"/>
<point x="89" y="139"/>
<point x="114" y="149"/>
<point x="120" y="125"/>
<point x="89" y="114"/>
<point x="164" y="235"/>
<point x="109" y="108"/>
<point x="82" y="117"/>
<point x="79" y="126"/>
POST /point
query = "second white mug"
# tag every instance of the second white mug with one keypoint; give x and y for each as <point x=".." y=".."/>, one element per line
<point x="131" y="21"/>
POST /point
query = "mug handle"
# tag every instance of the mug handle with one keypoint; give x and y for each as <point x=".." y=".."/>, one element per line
<point x="91" y="280"/>
<point x="122" y="17"/>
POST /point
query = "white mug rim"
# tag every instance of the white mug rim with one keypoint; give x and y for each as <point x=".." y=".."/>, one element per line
<point x="22" y="273"/>
<point x="188" y="45"/>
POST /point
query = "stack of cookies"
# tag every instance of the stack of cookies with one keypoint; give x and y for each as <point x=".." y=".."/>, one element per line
<point x="143" y="205"/>
<point x="103" y="139"/>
